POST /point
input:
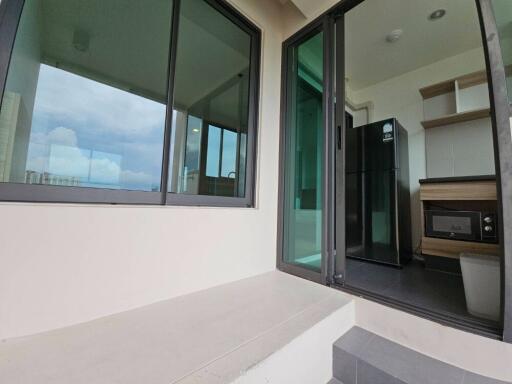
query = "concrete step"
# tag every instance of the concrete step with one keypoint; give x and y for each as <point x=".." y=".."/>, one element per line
<point x="363" y="357"/>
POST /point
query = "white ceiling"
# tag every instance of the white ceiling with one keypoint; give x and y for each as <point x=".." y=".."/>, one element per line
<point x="128" y="41"/>
<point x="129" y="45"/>
<point x="138" y="60"/>
<point x="371" y="59"/>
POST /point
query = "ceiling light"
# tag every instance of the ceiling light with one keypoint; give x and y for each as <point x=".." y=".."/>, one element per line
<point x="437" y="14"/>
<point x="394" y="36"/>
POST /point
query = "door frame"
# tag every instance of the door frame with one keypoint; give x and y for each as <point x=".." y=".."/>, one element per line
<point x="333" y="226"/>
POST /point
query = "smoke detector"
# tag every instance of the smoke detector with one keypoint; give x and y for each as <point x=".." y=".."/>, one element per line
<point x="437" y="14"/>
<point x="394" y="36"/>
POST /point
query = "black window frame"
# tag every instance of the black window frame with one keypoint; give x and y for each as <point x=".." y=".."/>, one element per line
<point x="10" y="15"/>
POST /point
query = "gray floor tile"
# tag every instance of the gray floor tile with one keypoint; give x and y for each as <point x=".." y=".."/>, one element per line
<point x="344" y="366"/>
<point x="368" y="374"/>
<point x="354" y="340"/>
<point x="432" y="290"/>
<point x="473" y="378"/>
<point x="408" y="365"/>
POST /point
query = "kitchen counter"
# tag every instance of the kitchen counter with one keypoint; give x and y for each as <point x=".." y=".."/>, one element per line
<point x="457" y="179"/>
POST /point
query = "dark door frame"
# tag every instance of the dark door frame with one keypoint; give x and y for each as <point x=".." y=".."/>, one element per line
<point x="333" y="255"/>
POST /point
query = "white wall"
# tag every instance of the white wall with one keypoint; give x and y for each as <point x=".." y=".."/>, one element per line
<point x="64" y="264"/>
<point x="400" y="97"/>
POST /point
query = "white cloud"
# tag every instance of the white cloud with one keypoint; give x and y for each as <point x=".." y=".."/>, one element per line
<point x="59" y="154"/>
<point x="63" y="136"/>
<point x="102" y="109"/>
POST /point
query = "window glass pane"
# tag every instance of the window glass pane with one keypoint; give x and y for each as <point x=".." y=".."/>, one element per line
<point x="213" y="152"/>
<point x="503" y="14"/>
<point x="211" y="83"/>
<point x="229" y="150"/>
<point x="86" y="93"/>
<point x="304" y="154"/>
<point x="193" y="143"/>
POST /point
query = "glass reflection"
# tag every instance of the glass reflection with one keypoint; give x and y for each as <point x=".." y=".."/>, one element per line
<point x="211" y="104"/>
<point x="80" y="108"/>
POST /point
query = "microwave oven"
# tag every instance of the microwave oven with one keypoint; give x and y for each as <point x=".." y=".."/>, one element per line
<point x="461" y="225"/>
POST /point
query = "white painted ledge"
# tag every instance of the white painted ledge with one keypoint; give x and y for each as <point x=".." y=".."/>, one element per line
<point x="273" y="326"/>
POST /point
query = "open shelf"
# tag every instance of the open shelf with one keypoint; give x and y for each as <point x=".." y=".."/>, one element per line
<point x="457" y="118"/>
<point x="466" y="81"/>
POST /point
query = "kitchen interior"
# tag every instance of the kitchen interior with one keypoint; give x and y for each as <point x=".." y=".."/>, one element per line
<point x="421" y="201"/>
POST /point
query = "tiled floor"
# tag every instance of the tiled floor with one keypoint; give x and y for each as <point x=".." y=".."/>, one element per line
<point x="436" y="291"/>
<point x="364" y="357"/>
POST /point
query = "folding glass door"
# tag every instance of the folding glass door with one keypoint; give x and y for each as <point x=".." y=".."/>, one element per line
<point x="303" y="167"/>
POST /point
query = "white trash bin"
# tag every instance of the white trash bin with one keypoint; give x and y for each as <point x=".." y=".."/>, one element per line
<point x="481" y="276"/>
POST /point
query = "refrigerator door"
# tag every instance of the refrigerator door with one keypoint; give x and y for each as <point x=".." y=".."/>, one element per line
<point x="371" y="216"/>
<point x="371" y="147"/>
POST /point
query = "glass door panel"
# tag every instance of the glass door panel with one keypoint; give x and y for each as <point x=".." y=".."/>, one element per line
<point x="303" y="190"/>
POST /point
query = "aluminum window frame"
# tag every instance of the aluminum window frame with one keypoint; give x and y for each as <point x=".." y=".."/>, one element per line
<point x="10" y="15"/>
<point x="248" y="201"/>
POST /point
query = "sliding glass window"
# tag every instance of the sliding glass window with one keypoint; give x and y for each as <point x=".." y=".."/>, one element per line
<point x="86" y="113"/>
<point x="211" y="104"/>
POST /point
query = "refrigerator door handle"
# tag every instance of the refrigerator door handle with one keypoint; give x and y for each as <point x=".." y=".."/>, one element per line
<point x="339" y="137"/>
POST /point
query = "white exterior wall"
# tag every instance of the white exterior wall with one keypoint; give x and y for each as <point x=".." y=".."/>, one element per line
<point x="66" y="264"/>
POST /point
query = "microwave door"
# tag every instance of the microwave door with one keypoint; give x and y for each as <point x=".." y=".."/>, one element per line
<point x="455" y="225"/>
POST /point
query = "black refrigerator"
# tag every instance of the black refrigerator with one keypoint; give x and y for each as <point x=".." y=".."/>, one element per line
<point x="378" y="219"/>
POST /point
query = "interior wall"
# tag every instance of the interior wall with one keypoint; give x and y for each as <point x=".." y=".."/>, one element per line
<point x="65" y="264"/>
<point x="400" y="97"/>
